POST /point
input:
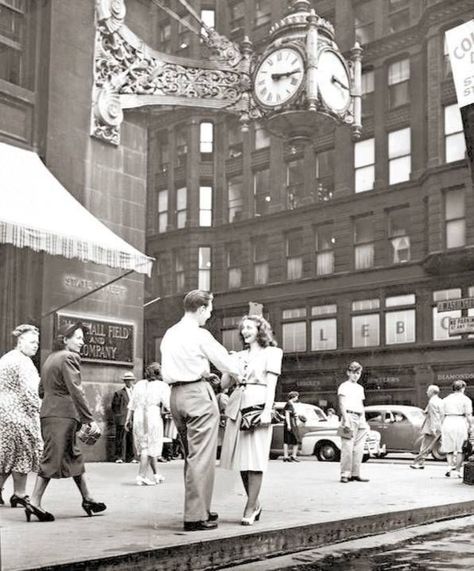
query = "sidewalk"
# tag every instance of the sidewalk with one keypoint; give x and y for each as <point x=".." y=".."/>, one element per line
<point x="304" y="506"/>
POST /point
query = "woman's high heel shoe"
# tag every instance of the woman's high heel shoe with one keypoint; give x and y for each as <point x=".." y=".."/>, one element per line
<point x="38" y="512"/>
<point x="18" y="500"/>
<point x="253" y="518"/>
<point x="91" y="507"/>
<point x="1" y="499"/>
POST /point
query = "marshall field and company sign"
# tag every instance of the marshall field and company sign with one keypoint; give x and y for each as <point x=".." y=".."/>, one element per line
<point x="107" y="342"/>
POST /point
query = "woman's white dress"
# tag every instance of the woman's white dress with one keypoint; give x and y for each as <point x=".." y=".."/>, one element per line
<point x="454" y="430"/>
<point x="149" y="398"/>
<point x="249" y="450"/>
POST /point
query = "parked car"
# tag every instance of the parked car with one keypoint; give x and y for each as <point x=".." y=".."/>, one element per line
<point x="400" y="428"/>
<point x="326" y="445"/>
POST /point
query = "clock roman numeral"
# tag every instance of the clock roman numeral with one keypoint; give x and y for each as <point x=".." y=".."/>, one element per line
<point x="294" y="61"/>
<point x="278" y="98"/>
<point x="294" y="81"/>
<point x="279" y="56"/>
<point x="263" y="92"/>
<point x="261" y="82"/>
<point x="269" y="96"/>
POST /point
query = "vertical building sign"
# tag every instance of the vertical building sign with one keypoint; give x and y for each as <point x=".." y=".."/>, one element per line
<point x="460" y="41"/>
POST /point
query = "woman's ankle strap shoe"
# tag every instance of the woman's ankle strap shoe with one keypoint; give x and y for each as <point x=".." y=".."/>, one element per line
<point x="19" y="500"/>
<point x="38" y="512"/>
<point x="253" y="518"/>
<point x="91" y="507"/>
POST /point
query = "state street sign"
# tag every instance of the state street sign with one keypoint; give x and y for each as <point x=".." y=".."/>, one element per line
<point x="460" y="325"/>
<point x="455" y="304"/>
<point x="460" y="41"/>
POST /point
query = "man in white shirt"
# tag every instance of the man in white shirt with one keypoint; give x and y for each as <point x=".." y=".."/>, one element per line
<point x="351" y="404"/>
<point x="431" y="428"/>
<point x="186" y="351"/>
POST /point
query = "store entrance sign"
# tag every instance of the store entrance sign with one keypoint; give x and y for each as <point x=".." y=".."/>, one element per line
<point x="455" y="304"/>
<point x="460" y="42"/>
<point x="459" y="325"/>
<point x="107" y="342"/>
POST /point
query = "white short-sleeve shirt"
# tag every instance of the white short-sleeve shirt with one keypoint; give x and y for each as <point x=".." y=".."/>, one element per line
<point x="354" y="396"/>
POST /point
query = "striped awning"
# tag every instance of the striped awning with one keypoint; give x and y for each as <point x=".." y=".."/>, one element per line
<point x="37" y="212"/>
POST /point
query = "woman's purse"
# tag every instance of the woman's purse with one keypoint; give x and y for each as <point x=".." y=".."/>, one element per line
<point x="250" y="417"/>
<point x="87" y="436"/>
<point x="345" y="432"/>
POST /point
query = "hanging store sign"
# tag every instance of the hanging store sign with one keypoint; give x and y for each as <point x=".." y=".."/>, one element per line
<point x="460" y="42"/>
<point x="455" y="304"/>
<point x="459" y="325"/>
<point x="107" y="342"/>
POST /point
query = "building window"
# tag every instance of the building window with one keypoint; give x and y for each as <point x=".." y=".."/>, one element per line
<point x="399" y="157"/>
<point x="324" y="328"/>
<point x="184" y="35"/>
<point x="161" y="270"/>
<point x="235" y="201"/>
<point x="206" y="137"/>
<point x="398" y="223"/>
<point x="260" y="260"/>
<point x="234" y="265"/>
<point x="364" y="22"/>
<point x="454" y="142"/>
<point x="261" y="137"/>
<point x="398" y="15"/>
<point x="261" y="192"/>
<point x="294" y="330"/>
<point x="365" y="326"/>
<point x="14" y="40"/>
<point x="204" y="272"/>
<point x="181" y="144"/>
<point x="263" y="12"/>
<point x="162" y="210"/>
<point x="363" y="243"/>
<point x="447" y="70"/>
<point x="367" y="90"/>
<point x="236" y="18"/>
<point x="208" y="16"/>
<point x="205" y="206"/>
<point x="441" y="319"/>
<point x="165" y="37"/>
<point x="455" y="216"/>
<point x="294" y="183"/>
<point x="398" y="83"/>
<point x="230" y="333"/>
<point x="181" y="207"/>
<point x="325" y="242"/>
<point x="163" y="151"/>
<point x="324" y="175"/>
<point x="294" y="255"/>
<point x="179" y="274"/>
<point x="364" y="165"/>
<point x="234" y="139"/>
<point x="400" y="326"/>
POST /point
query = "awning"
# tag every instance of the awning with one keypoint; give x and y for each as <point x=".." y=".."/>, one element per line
<point x="36" y="211"/>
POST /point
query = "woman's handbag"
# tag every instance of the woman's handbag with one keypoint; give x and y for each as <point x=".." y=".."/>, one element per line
<point x="250" y="417"/>
<point x="87" y="436"/>
<point x="345" y="432"/>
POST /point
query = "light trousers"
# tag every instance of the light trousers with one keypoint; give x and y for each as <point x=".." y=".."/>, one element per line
<point x="352" y="449"/>
<point x="196" y="415"/>
<point x="426" y="446"/>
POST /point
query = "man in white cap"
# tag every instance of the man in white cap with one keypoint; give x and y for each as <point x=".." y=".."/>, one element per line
<point x="123" y="438"/>
<point x="351" y="404"/>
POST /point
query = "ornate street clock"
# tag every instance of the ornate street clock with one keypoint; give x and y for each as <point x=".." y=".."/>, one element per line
<point x="295" y="85"/>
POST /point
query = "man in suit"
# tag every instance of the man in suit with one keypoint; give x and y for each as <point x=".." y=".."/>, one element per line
<point x="186" y="349"/>
<point x="431" y="428"/>
<point x="123" y="438"/>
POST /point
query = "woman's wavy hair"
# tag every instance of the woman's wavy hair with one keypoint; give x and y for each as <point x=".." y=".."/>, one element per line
<point x="458" y="385"/>
<point x="264" y="331"/>
<point x="153" y="372"/>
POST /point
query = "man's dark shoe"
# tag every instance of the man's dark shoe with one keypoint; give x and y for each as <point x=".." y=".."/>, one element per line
<point x="199" y="525"/>
<point x="344" y="479"/>
<point x="358" y="479"/>
<point x="213" y="516"/>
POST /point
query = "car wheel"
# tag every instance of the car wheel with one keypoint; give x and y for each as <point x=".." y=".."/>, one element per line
<point x="327" y="452"/>
<point x="436" y="452"/>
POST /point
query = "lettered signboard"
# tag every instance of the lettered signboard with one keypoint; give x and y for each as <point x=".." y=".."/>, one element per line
<point x="460" y="41"/>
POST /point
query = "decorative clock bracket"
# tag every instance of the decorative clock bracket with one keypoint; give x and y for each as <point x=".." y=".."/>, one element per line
<point x="129" y="74"/>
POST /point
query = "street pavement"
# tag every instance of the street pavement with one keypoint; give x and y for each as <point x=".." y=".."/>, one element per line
<point x="303" y="501"/>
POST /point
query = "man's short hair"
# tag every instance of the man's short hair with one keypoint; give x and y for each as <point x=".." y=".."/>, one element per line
<point x="197" y="298"/>
<point x="354" y="367"/>
<point x="458" y="385"/>
<point x="293" y="394"/>
<point x="433" y="389"/>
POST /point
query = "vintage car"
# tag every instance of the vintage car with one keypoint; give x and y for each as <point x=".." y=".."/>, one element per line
<point x="326" y="445"/>
<point x="400" y="428"/>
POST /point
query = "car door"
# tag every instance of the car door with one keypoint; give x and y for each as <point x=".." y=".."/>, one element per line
<point x="376" y="421"/>
<point x="399" y="434"/>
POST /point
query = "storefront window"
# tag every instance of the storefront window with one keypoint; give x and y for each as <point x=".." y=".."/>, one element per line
<point x="365" y="330"/>
<point x="294" y="337"/>
<point x="441" y="319"/>
<point x="323" y="334"/>
<point x="400" y="325"/>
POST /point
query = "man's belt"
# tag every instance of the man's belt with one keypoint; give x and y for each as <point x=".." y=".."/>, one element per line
<point x="354" y="412"/>
<point x="181" y="383"/>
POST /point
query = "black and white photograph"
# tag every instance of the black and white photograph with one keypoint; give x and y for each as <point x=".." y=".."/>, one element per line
<point x="236" y="285"/>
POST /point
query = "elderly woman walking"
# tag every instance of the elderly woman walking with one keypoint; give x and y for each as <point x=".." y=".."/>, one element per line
<point x="457" y="421"/>
<point x="20" y="433"/>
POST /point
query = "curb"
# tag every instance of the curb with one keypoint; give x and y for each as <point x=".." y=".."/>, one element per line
<point x="224" y="552"/>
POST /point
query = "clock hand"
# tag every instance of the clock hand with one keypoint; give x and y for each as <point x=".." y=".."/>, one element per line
<point x="335" y="79"/>
<point x="285" y="73"/>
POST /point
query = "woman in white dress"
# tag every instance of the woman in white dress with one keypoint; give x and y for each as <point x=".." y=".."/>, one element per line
<point x="150" y="397"/>
<point x="455" y="428"/>
<point x="248" y="450"/>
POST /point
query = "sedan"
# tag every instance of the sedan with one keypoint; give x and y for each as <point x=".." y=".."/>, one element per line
<point x="400" y="427"/>
<point x="326" y="445"/>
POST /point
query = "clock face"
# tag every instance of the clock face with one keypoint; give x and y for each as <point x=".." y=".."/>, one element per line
<point x="334" y="81"/>
<point x="279" y="77"/>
